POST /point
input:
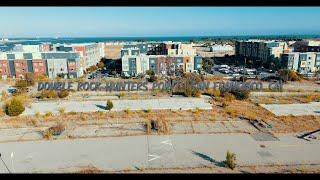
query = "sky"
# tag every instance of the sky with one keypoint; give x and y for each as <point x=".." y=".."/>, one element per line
<point x="157" y="21"/>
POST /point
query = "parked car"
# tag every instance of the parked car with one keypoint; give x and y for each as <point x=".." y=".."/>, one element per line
<point x="12" y="90"/>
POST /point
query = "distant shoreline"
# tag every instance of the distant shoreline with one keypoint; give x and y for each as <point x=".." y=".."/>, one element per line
<point x="159" y="38"/>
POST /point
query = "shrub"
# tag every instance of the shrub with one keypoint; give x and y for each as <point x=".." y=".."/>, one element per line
<point x="109" y="105"/>
<point x="150" y="72"/>
<point x="51" y="94"/>
<point x="241" y="94"/>
<point x="22" y="86"/>
<point x="232" y="112"/>
<point x="148" y="110"/>
<point x="185" y="86"/>
<point x="64" y="93"/>
<point x="40" y="78"/>
<point x="128" y="111"/>
<point x="62" y="110"/>
<point x="152" y="78"/>
<point x="230" y="161"/>
<point x="225" y="104"/>
<point x="48" y="114"/>
<point x="121" y="94"/>
<point x="57" y="129"/>
<point x="30" y="79"/>
<point x="289" y="75"/>
<point x="213" y="92"/>
<point x="191" y="92"/>
<point x="228" y="97"/>
<point x="47" y="134"/>
<point x="37" y="114"/>
<point x="24" y="98"/>
<point x="14" y="107"/>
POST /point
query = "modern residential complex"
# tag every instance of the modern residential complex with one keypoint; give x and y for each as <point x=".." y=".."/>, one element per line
<point x="51" y="64"/>
<point x="113" y="50"/>
<point x="166" y="58"/>
<point x="303" y="62"/>
<point x="160" y="64"/>
<point x="90" y="53"/>
<point x="260" y="50"/>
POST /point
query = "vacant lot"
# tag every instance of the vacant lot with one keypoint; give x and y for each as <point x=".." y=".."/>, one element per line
<point x="175" y="103"/>
<point x="312" y="108"/>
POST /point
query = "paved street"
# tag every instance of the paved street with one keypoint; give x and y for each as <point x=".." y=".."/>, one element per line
<point x="123" y="153"/>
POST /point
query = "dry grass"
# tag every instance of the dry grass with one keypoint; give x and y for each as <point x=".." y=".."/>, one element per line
<point x="47" y="134"/>
<point x="163" y="126"/>
<point x="25" y="99"/>
<point x="148" y="127"/>
<point x="287" y="99"/>
<point x="288" y="124"/>
<point x="4" y="96"/>
<point x="89" y="170"/>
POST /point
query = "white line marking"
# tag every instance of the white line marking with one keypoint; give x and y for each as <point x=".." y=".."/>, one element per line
<point x="154" y="157"/>
<point x="167" y="142"/>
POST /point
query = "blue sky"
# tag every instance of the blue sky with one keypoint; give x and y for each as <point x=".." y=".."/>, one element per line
<point x="156" y="21"/>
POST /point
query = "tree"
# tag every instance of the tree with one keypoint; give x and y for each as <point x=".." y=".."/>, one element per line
<point x="185" y="86"/>
<point x="230" y="161"/>
<point x="289" y="75"/>
<point x="14" y="107"/>
<point x="101" y="65"/>
<point x="152" y="75"/>
<point x="207" y="64"/>
<point x="30" y="79"/>
<point x="150" y="72"/>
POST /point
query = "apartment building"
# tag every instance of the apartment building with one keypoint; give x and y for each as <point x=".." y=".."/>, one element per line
<point x="113" y="50"/>
<point x="90" y="53"/>
<point x="302" y="62"/>
<point x="161" y="64"/>
<point x="66" y="64"/>
<point x="51" y="64"/>
<point x="44" y="47"/>
<point x="260" y="50"/>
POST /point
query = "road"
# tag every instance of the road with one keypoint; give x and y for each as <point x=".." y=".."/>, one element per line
<point x="134" y="152"/>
